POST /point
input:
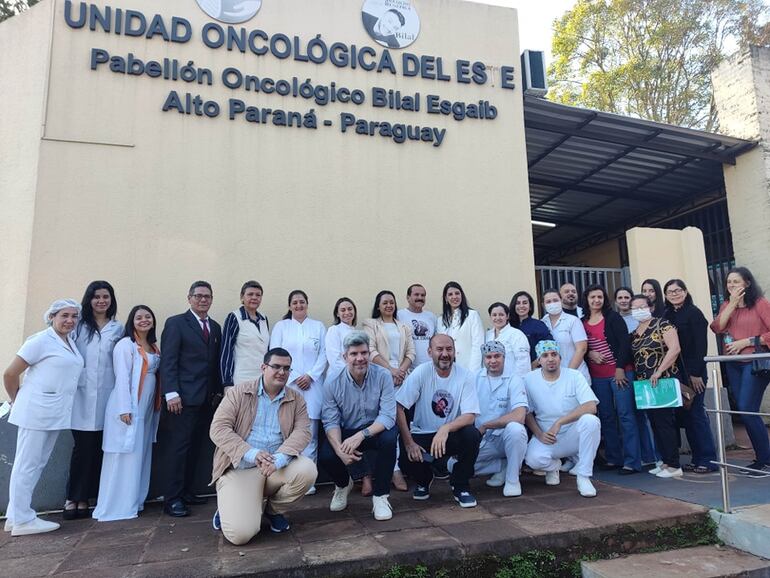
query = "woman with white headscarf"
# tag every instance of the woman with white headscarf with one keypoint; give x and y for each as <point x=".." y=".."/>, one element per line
<point x="41" y="407"/>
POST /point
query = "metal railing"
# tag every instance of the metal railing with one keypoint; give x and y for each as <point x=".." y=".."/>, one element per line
<point x="720" y="413"/>
<point x="548" y="277"/>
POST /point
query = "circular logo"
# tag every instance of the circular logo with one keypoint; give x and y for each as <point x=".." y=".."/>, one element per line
<point x="391" y="23"/>
<point x="230" y="11"/>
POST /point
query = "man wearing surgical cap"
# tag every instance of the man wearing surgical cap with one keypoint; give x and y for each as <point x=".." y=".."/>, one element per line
<point x="503" y="405"/>
<point x="562" y="419"/>
<point x="42" y="406"/>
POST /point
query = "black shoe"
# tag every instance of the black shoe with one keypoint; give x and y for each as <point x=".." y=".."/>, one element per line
<point x="764" y="470"/>
<point x="70" y="514"/>
<point x="627" y="471"/>
<point x="193" y="500"/>
<point x="176" y="509"/>
<point x="606" y="467"/>
<point x="278" y="523"/>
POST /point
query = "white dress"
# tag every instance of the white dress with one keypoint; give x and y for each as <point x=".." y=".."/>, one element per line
<point x="125" y="478"/>
<point x="335" y="335"/>
<point x="469" y="337"/>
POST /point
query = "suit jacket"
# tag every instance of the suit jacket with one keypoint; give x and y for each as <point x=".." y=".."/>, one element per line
<point x="189" y="365"/>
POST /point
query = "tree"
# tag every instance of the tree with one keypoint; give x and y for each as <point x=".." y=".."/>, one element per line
<point x="650" y="58"/>
<point x="9" y="8"/>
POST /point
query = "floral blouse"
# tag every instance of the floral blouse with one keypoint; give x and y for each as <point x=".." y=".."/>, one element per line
<point x="649" y="349"/>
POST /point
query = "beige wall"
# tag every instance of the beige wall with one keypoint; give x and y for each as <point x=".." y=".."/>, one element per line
<point x="605" y="254"/>
<point x="152" y="201"/>
<point x="23" y="70"/>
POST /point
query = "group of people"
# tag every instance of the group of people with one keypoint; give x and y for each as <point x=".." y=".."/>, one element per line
<point x="406" y="394"/>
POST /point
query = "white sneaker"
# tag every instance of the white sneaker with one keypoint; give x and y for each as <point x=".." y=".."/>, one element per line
<point x="381" y="507"/>
<point x="512" y="489"/>
<point x="497" y="480"/>
<point x="340" y="497"/>
<point x="585" y="487"/>
<point x="657" y="469"/>
<point x="36" y="526"/>
<point x="8" y="525"/>
<point x="311" y="491"/>
<point x="670" y="473"/>
<point x="567" y="465"/>
<point x="552" y="478"/>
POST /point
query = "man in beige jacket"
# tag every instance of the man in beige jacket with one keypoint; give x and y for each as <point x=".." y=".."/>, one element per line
<point x="260" y="430"/>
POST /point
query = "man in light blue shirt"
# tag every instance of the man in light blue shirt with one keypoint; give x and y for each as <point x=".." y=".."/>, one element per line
<point x="503" y="406"/>
<point x="359" y="414"/>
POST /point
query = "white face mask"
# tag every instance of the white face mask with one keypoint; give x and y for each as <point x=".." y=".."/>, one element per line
<point x="641" y="315"/>
<point x="553" y="308"/>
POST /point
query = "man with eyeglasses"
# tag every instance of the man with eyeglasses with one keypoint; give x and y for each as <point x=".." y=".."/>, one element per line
<point x="260" y="430"/>
<point x="359" y="414"/>
<point x="190" y="379"/>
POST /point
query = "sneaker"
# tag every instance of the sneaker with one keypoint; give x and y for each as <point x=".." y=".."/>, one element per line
<point x="464" y="498"/>
<point x="764" y="469"/>
<point x="670" y="473"/>
<point x="421" y="492"/>
<point x="381" y="508"/>
<point x="567" y="465"/>
<point x="512" y="489"/>
<point x="35" y="526"/>
<point x="8" y="525"/>
<point x="278" y="523"/>
<point x="340" y="497"/>
<point x="552" y="478"/>
<point x="657" y="469"/>
<point x="311" y="491"/>
<point x="585" y="487"/>
<point x="497" y="480"/>
<point x="216" y="521"/>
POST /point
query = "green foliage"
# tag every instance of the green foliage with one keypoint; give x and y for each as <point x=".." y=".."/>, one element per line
<point x="650" y="58"/>
<point x="532" y="564"/>
<point x="418" y="571"/>
<point x="9" y="8"/>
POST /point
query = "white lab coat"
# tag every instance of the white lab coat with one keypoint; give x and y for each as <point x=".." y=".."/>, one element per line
<point x="567" y="331"/>
<point x="335" y="335"/>
<point x="98" y="378"/>
<point x="306" y="343"/>
<point x="47" y="394"/>
<point x="517" y="360"/>
<point x="469" y="337"/>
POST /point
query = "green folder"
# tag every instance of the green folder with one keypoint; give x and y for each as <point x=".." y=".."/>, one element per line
<point x="666" y="394"/>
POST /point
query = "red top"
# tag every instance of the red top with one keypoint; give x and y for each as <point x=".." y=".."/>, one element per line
<point x="745" y="322"/>
<point x="598" y="342"/>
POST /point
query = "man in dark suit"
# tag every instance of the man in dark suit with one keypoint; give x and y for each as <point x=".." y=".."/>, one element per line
<point x="189" y="370"/>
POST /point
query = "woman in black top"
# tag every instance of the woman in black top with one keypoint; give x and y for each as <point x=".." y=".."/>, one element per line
<point x="522" y="309"/>
<point x="610" y="364"/>
<point x="692" y="327"/>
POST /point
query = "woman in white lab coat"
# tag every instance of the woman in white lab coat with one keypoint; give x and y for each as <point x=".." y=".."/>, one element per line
<point x="96" y="334"/>
<point x="41" y="407"/>
<point x="517" y="359"/>
<point x="464" y="325"/>
<point x="130" y="421"/>
<point x="345" y="316"/>
<point x="304" y="338"/>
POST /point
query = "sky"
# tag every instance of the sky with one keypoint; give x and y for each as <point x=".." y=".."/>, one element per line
<point x="535" y="20"/>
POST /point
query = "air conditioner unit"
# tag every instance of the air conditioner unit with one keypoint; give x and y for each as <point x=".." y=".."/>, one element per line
<point x="533" y="73"/>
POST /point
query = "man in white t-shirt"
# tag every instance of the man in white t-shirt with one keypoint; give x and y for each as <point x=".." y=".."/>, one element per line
<point x="445" y="404"/>
<point x="421" y="323"/>
<point x="562" y="419"/>
<point x="503" y="405"/>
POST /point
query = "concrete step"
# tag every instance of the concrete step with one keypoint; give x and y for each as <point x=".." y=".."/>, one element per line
<point x="701" y="561"/>
<point x="746" y="528"/>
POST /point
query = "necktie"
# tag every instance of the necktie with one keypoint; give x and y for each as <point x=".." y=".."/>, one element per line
<point x="206" y="329"/>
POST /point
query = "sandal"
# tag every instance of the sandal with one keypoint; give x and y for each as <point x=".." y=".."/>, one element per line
<point x="690" y="467"/>
<point x="70" y="511"/>
<point x="701" y="470"/>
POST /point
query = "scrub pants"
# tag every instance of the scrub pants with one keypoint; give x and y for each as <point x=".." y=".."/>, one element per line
<point x="33" y="448"/>
<point x="581" y="439"/>
<point x="510" y="446"/>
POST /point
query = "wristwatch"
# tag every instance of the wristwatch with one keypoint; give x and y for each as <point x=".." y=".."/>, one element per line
<point x="367" y="433"/>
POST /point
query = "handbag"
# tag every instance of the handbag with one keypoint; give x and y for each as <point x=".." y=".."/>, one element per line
<point x="760" y="367"/>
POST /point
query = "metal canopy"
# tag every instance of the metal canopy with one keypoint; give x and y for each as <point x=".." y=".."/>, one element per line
<point x="595" y="174"/>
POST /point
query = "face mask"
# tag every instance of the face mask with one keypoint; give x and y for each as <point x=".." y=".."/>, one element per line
<point x="641" y="315"/>
<point x="553" y="308"/>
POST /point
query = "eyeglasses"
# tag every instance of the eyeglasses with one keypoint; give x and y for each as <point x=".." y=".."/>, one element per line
<point x="201" y="297"/>
<point x="676" y="291"/>
<point x="279" y="368"/>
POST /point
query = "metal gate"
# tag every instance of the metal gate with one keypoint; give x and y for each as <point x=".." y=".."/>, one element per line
<point x="581" y="277"/>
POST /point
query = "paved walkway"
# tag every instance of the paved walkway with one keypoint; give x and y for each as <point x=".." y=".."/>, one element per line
<point x="322" y="543"/>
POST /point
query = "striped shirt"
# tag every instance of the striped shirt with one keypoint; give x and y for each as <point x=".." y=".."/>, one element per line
<point x="229" y="337"/>
<point x="598" y="342"/>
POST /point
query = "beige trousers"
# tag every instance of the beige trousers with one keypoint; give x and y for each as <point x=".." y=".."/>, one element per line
<point x="242" y="496"/>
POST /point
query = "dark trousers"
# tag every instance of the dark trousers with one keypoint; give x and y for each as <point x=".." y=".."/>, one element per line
<point x="666" y="432"/>
<point x="384" y="447"/>
<point x="463" y="444"/>
<point x="697" y="427"/>
<point x="184" y="434"/>
<point x="85" y="466"/>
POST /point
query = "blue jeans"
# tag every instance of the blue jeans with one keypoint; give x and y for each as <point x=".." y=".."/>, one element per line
<point x="650" y="453"/>
<point x="697" y="427"/>
<point x="748" y="390"/>
<point x="617" y="408"/>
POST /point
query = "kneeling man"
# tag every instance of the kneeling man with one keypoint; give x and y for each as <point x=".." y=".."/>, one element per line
<point x="503" y="405"/>
<point x="445" y="403"/>
<point x="359" y="414"/>
<point x="562" y="419"/>
<point x="260" y="430"/>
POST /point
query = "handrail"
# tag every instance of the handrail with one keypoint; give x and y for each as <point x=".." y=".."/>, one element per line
<point x="720" y="413"/>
